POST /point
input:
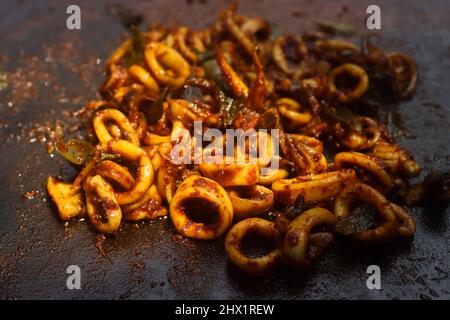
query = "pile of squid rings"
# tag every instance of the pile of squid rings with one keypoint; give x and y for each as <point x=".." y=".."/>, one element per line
<point x="241" y="74"/>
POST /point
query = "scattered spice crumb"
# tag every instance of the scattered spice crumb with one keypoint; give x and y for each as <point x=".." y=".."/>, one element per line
<point x="30" y="194"/>
<point x="99" y="241"/>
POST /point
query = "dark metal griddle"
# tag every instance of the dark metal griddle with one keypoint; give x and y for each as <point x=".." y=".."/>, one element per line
<point x="147" y="261"/>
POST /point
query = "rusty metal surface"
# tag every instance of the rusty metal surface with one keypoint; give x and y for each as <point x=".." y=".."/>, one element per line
<point x="54" y="69"/>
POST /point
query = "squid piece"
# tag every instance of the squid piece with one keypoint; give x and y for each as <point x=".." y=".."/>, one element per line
<point x="234" y="82"/>
<point x="104" y="136"/>
<point x="396" y="159"/>
<point x="186" y="112"/>
<point x="406" y="73"/>
<point x="370" y="166"/>
<point x="117" y="78"/>
<point x="335" y="44"/>
<point x="407" y="225"/>
<point x="152" y="139"/>
<point x="292" y="111"/>
<point x="253" y="266"/>
<point x="250" y="201"/>
<point x="119" y="53"/>
<point x="236" y="32"/>
<point x="257" y="95"/>
<point x="145" y="77"/>
<point x="149" y="207"/>
<point x="68" y="199"/>
<point x="144" y="175"/>
<point x="160" y="56"/>
<point x="103" y="209"/>
<point x="272" y="176"/>
<point x="307" y="160"/>
<point x="388" y="226"/>
<point x="299" y="237"/>
<point x="201" y="209"/>
<point x="279" y="57"/>
<point x="256" y="27"/>
<point x="167" y="180"/>
<point x="366" y="139"/>
<point x="115" y="172"/>
<point x="312" y="188"/>
<point x="158" y="154"/>
<point x="311" y="142"/>
<point x="182" y="37"/>
<point x="353" y="71"/>
<point x="231" y="174"/>
<point x="336" y="49"/>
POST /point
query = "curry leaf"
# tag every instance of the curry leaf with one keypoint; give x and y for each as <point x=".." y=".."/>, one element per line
<point x="135" y="53"/>
<point x="155" y="110"/>
<point x="75" y="151"/>
<point x="204" y="56"/>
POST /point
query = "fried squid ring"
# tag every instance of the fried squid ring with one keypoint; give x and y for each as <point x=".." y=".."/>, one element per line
<point x="272" y="176"/>
<point x="256" y="27"/>
<point x="388" y="227"/>
<point x="236" y="32"/>
<point x="167" y="179"/>
<point x="291" y="110"/>
<point x="406" y="73"/>
<point x="342" y="50"/>
<point x="181" y="39"/>
<point x="348" y="94"/>
<point x="312" y="188"/>
<point x="114" y="130"/>
<point x="236" y="85"/>
<point x="158" y="154"/>
<point x="158" y="56"/>
<point x="258" y="266"/>
<point x="104" y="136"/>
<point x="117" y="77"/>
<point x="119" y="52"/>
<point x="367" y="138"/>
<point x="250" y="201"/>
<point x="258" y="92"/>
<point x="311" y="142"/>
<point x="155" y="156"/>
<point x="297" y="239"/>
<point x="102" y="206"/>
<point x="231" y="174"/>
<point x="396" y="159"/>
<point x="186" y="112"/>
<point x="201" y="209"/>
<point x="115" y="172"/>
<point x="144" y="175"/>
<point x="368" y="164"/>
<point x="407" y="225"/>
<point x="280" y="58"/>
<point x="68" y="199"/>
<point x="152" y="139"/>
<point x="149" y="207"/>
<point x="306" y="159"/>
<point x="145" y="77"/>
